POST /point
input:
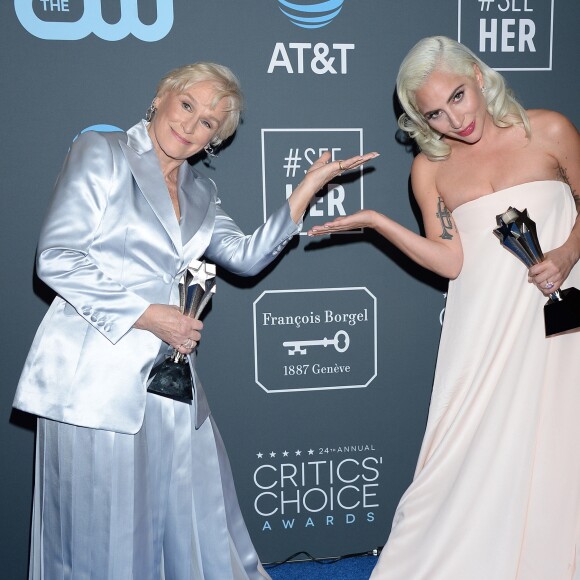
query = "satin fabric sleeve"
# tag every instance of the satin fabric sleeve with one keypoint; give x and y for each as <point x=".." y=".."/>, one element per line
<point x="248" y="254"/>
<point x="71" y="237"/>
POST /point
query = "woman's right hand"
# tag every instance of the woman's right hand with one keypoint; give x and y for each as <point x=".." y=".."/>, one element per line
<point x="356" y="221"/>
<point x="167" y="323"/>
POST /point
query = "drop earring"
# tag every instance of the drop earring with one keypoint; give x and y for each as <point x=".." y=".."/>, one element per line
<point x="210" y="150"/>
<point x="150" y="111"/>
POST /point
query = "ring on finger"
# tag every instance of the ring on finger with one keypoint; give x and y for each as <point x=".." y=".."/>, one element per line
<point x="188" y="343"/>
<point x="340" y="166"/>
<point x="549" y="285"/>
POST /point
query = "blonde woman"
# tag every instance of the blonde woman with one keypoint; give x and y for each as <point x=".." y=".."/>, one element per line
<point x="496" y="489"/>
<point x="130" y="485"/>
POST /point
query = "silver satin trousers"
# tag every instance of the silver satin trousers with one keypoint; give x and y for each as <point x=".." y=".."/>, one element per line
<point x="158" y="505"/>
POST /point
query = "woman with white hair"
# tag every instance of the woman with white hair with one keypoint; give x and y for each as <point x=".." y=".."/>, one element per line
<point x="131" y="485"/>
<point x="495" y="494"/>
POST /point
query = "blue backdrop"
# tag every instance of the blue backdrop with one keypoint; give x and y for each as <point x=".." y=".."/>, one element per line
<point x="323" y="439"/>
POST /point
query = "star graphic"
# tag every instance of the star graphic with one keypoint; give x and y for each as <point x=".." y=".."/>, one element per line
<point x="272" y="454"/>
<point x="311" y="452"/>
<point x="285" y="453"/>
<point x="201" y="272"/>
<point x="298" y="452"/>
<point x="259" y="455"/>
<point x="197" y="287"/>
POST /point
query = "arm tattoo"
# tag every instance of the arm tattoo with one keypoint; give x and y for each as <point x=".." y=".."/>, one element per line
<point x="444" y="216"/>
<point x="563" y="175"/>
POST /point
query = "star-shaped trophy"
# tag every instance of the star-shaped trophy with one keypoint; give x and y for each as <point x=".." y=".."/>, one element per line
<point x="517" y="233"/>
<point x="172" y="377"/>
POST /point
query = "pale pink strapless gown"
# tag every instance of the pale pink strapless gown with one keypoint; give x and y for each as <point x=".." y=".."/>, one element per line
<point x="496" y="493"/>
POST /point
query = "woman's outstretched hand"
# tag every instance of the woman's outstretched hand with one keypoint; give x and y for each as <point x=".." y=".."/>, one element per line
<point x="319" y="174"/>
<point x="359" y="220"/>
<point x="323" y="170"/>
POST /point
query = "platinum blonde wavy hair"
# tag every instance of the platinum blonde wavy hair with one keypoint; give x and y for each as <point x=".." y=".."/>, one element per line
<point x="226" y="84"/>
<point x="442" y="53"/>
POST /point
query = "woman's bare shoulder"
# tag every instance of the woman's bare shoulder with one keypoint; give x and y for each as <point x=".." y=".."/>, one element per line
<point x="548" y="124"/>
<point x="424" y="175"/>
<point x="423" y="166"/>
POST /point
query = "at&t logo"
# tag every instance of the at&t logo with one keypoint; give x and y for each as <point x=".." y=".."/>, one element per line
<point x="318" y="57"/>
<point x="55" y="20"/>
<point x="321" y="58"/>
<point x="311" y="14"/>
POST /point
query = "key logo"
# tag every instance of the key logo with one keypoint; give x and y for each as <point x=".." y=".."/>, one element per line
<point x="311" y="14"/>
<point x="317" y="339"/>
<point x="340" y="342"/>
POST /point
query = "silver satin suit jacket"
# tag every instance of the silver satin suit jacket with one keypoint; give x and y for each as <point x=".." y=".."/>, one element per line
<point x="111" y="246"/>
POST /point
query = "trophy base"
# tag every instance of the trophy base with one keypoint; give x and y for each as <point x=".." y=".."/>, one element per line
<point x="172" y="380"/>
<point x="563" y="315"/>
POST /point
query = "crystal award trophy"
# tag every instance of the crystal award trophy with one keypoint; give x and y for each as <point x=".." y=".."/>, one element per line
<point x="517" y="233"/>
<point x="172" y="377"/>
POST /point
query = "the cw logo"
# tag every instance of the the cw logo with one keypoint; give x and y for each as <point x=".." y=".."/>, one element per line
<point x="312" y="14"/>
<point x="92" y="21"/>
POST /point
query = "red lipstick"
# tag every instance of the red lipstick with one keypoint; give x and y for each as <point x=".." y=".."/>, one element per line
<point x="468" y="130"/>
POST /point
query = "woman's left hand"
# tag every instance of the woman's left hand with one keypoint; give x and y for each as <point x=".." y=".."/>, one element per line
<point x="323" y="170"/>
<point x="319" y="174"/>
<point x="549" y="275"/>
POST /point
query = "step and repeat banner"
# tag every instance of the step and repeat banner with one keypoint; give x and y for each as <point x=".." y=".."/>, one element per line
<point x="319" y="369"/>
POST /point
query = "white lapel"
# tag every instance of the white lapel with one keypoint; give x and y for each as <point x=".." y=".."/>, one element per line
<point x="197" y="202"/>
<point x="144" y="166"/>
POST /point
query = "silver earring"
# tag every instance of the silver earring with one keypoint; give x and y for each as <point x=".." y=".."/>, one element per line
<point x="210" y="150"/>
<point x="150" y="111"/>
<point x="483" y="90"/>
